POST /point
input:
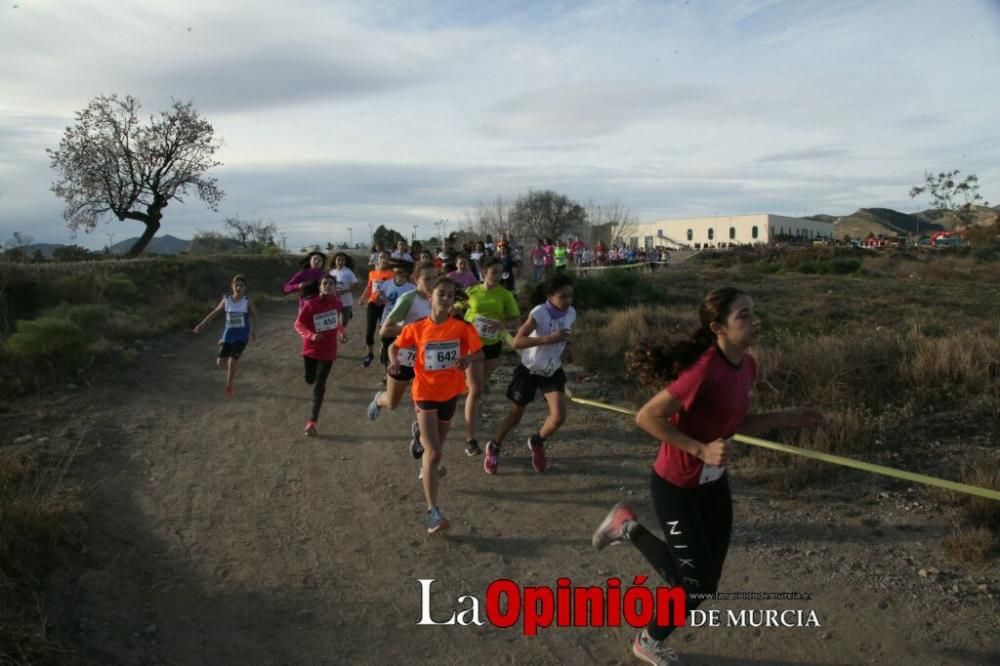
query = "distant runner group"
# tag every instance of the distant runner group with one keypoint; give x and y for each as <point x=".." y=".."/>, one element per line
<point x="441" y="329"/>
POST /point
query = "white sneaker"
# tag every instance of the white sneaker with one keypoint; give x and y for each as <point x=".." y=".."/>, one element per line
<point x="654" y="652"/>
<point x="373" y="408"/>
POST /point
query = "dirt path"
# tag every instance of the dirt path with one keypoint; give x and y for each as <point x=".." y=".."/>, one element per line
<point x="217" y="534"/>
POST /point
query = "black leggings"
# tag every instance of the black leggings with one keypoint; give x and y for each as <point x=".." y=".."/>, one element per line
<point x="374" y="313"/>
<point x="697" y="524"/>
<point x="316" y="374"/>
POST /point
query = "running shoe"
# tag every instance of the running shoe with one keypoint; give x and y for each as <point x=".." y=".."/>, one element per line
<point x="373" y="408"/>
<point x="229" y="390"/>
<point x="472" y="448"/>
<point x="416" y="448"/>
<point x="611" y="530"/>
<point x="654" y="652"/>
<point x="537" y="448"/>
<point x="442" y="472"/>
<point x="310" y="428"/>
<point x="368" y="359"/>
<point x="492" y="458"/>
<point x="436" y="521"/>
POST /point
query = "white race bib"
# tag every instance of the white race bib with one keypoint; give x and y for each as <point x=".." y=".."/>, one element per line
<point x="710" y="473"/>
<point x="235" y="319"/>
<point x="407" y="357"/>
<point x="488" y="329"/>
<point x="550" y="368"/>
<point x="325" y="321"/>
<point x="440" y="355"/>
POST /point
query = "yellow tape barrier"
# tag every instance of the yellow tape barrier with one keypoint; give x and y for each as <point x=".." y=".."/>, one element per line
<point x="836" y="460"/>
<point x="816" y="455"/>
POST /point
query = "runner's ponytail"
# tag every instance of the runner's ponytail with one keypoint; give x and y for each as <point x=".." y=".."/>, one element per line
<point x="662" y="359"/>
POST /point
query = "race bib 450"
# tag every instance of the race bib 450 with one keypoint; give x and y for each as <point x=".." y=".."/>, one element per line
<point x="325" y="321"/>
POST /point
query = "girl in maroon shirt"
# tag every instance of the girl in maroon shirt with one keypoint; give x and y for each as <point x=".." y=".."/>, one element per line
<point x="709" y="379"/>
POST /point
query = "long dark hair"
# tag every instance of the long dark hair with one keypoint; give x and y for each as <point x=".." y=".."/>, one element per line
<point x="348" y="260"/>
<point x="660" y="360"/>
<point x="546" y="288"/>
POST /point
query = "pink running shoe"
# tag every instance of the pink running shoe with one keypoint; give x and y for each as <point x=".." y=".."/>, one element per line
<point x="492" y="458"/>
<point x="654" y="652"/>
<point x="229" y="390"/>
<point x="537" y="448"/>
<point x="611" y="530"/>
<point x="310" y="428"/>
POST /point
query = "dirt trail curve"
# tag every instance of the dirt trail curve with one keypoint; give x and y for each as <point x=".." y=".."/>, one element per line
<point x="218" y="534"/>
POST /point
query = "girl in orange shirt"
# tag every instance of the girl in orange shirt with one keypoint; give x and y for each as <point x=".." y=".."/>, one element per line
<point x="445" y="348"/>
<point x="375" y="302"/>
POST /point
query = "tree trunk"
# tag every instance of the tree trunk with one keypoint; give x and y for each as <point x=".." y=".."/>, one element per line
<point x="152" y="221"/>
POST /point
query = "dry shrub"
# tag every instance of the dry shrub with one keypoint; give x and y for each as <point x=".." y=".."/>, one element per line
<point x="965" y="361"/>
<point x="981" y="471"/>
<point x="830" y="371"/>
<point x="970" y="544"/>
<point x="38" y="517"/>
<point x="980" y="511"/>
<point x="846" y="430"/>
<point x="600" y="338"/>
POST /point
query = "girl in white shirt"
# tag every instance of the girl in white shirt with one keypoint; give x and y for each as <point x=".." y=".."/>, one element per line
<point x="542" y="340"/>
<point x="343" y="273"/>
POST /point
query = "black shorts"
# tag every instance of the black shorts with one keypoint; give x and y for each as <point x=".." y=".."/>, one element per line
<point x="493" y="351"/>
<point x="405" y="374"/>
<point x="445" y="410"/>
<point x="232" y="349"/>
<point x="524" y="384"/>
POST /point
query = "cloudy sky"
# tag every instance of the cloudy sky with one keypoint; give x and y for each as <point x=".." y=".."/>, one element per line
<point x="337" y="115"/>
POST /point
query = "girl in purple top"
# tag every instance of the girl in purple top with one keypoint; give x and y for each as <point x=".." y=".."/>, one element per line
<point x="313" y="270"/>
<point x="463" y="274"/>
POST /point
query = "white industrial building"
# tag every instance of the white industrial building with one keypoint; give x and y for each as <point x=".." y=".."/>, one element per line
<point x="722" y="231"/>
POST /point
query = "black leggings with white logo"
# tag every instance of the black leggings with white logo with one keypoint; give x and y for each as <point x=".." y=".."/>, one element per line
<point x="316" y="374"/>
<point x="697" y="524"/>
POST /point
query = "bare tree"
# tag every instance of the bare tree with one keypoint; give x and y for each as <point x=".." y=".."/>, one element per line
<point x="547" y="214"/>
<point x="612" y="223"/>
<point x="251" y="234"/>
<point x="18" y="241"/>
<point x="494" y="219"/>
<point x="109" y="163"/>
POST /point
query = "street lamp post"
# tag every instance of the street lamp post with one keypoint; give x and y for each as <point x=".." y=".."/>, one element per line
<point x="413" y="239"/>
<point x="350" y="236"/>
<point x="371" y="234"/>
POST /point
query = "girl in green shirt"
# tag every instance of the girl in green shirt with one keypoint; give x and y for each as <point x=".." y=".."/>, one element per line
<point x="489" y="309"/>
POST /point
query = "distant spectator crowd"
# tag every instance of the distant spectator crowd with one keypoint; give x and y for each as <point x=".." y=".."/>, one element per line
<point x="463" y="264"/>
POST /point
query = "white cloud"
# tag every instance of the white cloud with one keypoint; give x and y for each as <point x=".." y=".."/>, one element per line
<point x="350" y="113"/>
